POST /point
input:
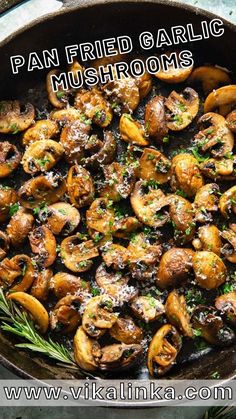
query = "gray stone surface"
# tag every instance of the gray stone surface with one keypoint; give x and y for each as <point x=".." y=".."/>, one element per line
<point x="8" y="23"/>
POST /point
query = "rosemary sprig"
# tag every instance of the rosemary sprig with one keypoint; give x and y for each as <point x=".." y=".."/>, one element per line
<point x="19" y="323"/>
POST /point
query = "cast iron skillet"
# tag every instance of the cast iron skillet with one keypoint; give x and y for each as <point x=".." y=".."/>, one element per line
<point x="88" y="20"/>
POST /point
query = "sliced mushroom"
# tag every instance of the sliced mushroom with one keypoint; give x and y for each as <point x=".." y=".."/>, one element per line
<point x="100" y="152"/>
<point x="206" y="202"/>
<point x="222" y="170"/>
<point x="153" y="165"/>
<point x="119" y="181"/>
<point x="227" y="203"/>
<point x="94" y="106"/>
<point x="119" y="356"/>
<point x="63" y="284"/>
<point x="175" y="267"/>
<point x="86" y="350"/>
<point x="155" y="119"/>
<point x="27" y="272"/>
<point x="149" y="204"/>
<point x="34" y="307"/>
<point x="43" y="243"/>
<point x="225" y="95"/>
<point x="19" y="227"/>
<point x="8" y="197"/>
<point x="58" y="99"/>
<point x="80" y="186"/>
<point x="41" y="130"/>
<point x="77" y="255"/>
<point x="185" y="174"/>
<point x="144" y="255"/>
<point x="41" y="285"/>
<point x="144" y="84"/>
<point x="62" y="218"/>
<point x="65" y="116"/>
<point x="4" y="244"/>
<point x="15" y="117"/>
<point x="228" y="249"/>
<point x="115" y="256"/>
<point x="210" y="271"/>
<point x="123" y="92"/>
<point x="100" y="216"/>
<point x="9" y="271"/>
<point x="115" y="284"/>
<point x="176" y="313"/>
<point x="74" y="137"/>
<point x="99" y="316"/>
<point x="182" y="218"/>
<point x="182" y="108"/>
<point x="214" y="136"/>
<point x="163" y="350"/>
<point x="42" y="189"/>
<point x="41" y="156"/>
<point x="172" y="74"/>
<point x="132" y="131"/>
<point x="10" y="158"/>
<point x="210" y="77"/>
<point x="126" y="331"/>
<point x="124" y="227"/>
<point x="208" y="239"/>
<point x="226" y="304"/>
<point x="231" y="121"/>
<point x="65" y="316"/>
<point x="147" y="308"/>
<point x="211" y="326"/>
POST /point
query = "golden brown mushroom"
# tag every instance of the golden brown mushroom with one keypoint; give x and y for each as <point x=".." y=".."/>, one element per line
<point x="65" y="316"/>
<point x="229" y="245"/>
<point x="172" y="74"/>
<point x="41" y="130"/>
<point x="98" y="315"/>
<point x="222" y="170"/>
<point x="77" y="254"/>
<point x="123" y="92"/>
<point x="86" y="350"/>
<point x="41" y="285"/>
<point x="27" y="272"/>
<point x="43" y="243"/>
<point x="125" y="226"/>
<point x="208" y="239"/>
<point x="74" y="137"/>
<point x="155" y="119"/>
<point x="132" y="131"/>
<point x="153" y="165"/>
<point x="80" y="186"/>
<point x="206" y="202"/>
<point x="211" y="326"/>
<point x="100" y="152"/>
<point x="101" y="216"/>
<point x="225" y="95"/>
<point x="4" y="244"/>
<point x="115" y="256"/>
<point x="58" y="99"/>
<point x="182" y="108"/>
<point x="41" y="156"/>
<point x="185" y="174"/>
<point x="175" y="267"/>
<point x="147" y="308"/>
<point x="227" y="203"/>
<point x="115" y="284"/>
<point x="19" y="227"/>
<point x="210" y="271"/>
<point x="9" y="271"/>
<point x="226" y="304"/>
<point x="8" y="198"/>
<point x="163" y="350"/>
<point x="144" y="84"/>
<point x="210" y="77"/>
<point x="231" y="121"/>
<point x="65" y="116"/>
<point x="42" y="189"/>
<point x="63" y="284"/>
<point x="214" y="135"/>
<point x="176" y="313"/>
<point x="10" y="158"/>
<point x="61" y="217"/>
<point x="182" y="218"/>
<point x="126" y="331"/>
<point x="118" y="357"/>
<point x="149" y="204"/>
<point x="15" y="117"/>
<point x="119" y="181"/>
<point x="94" y="106"/>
